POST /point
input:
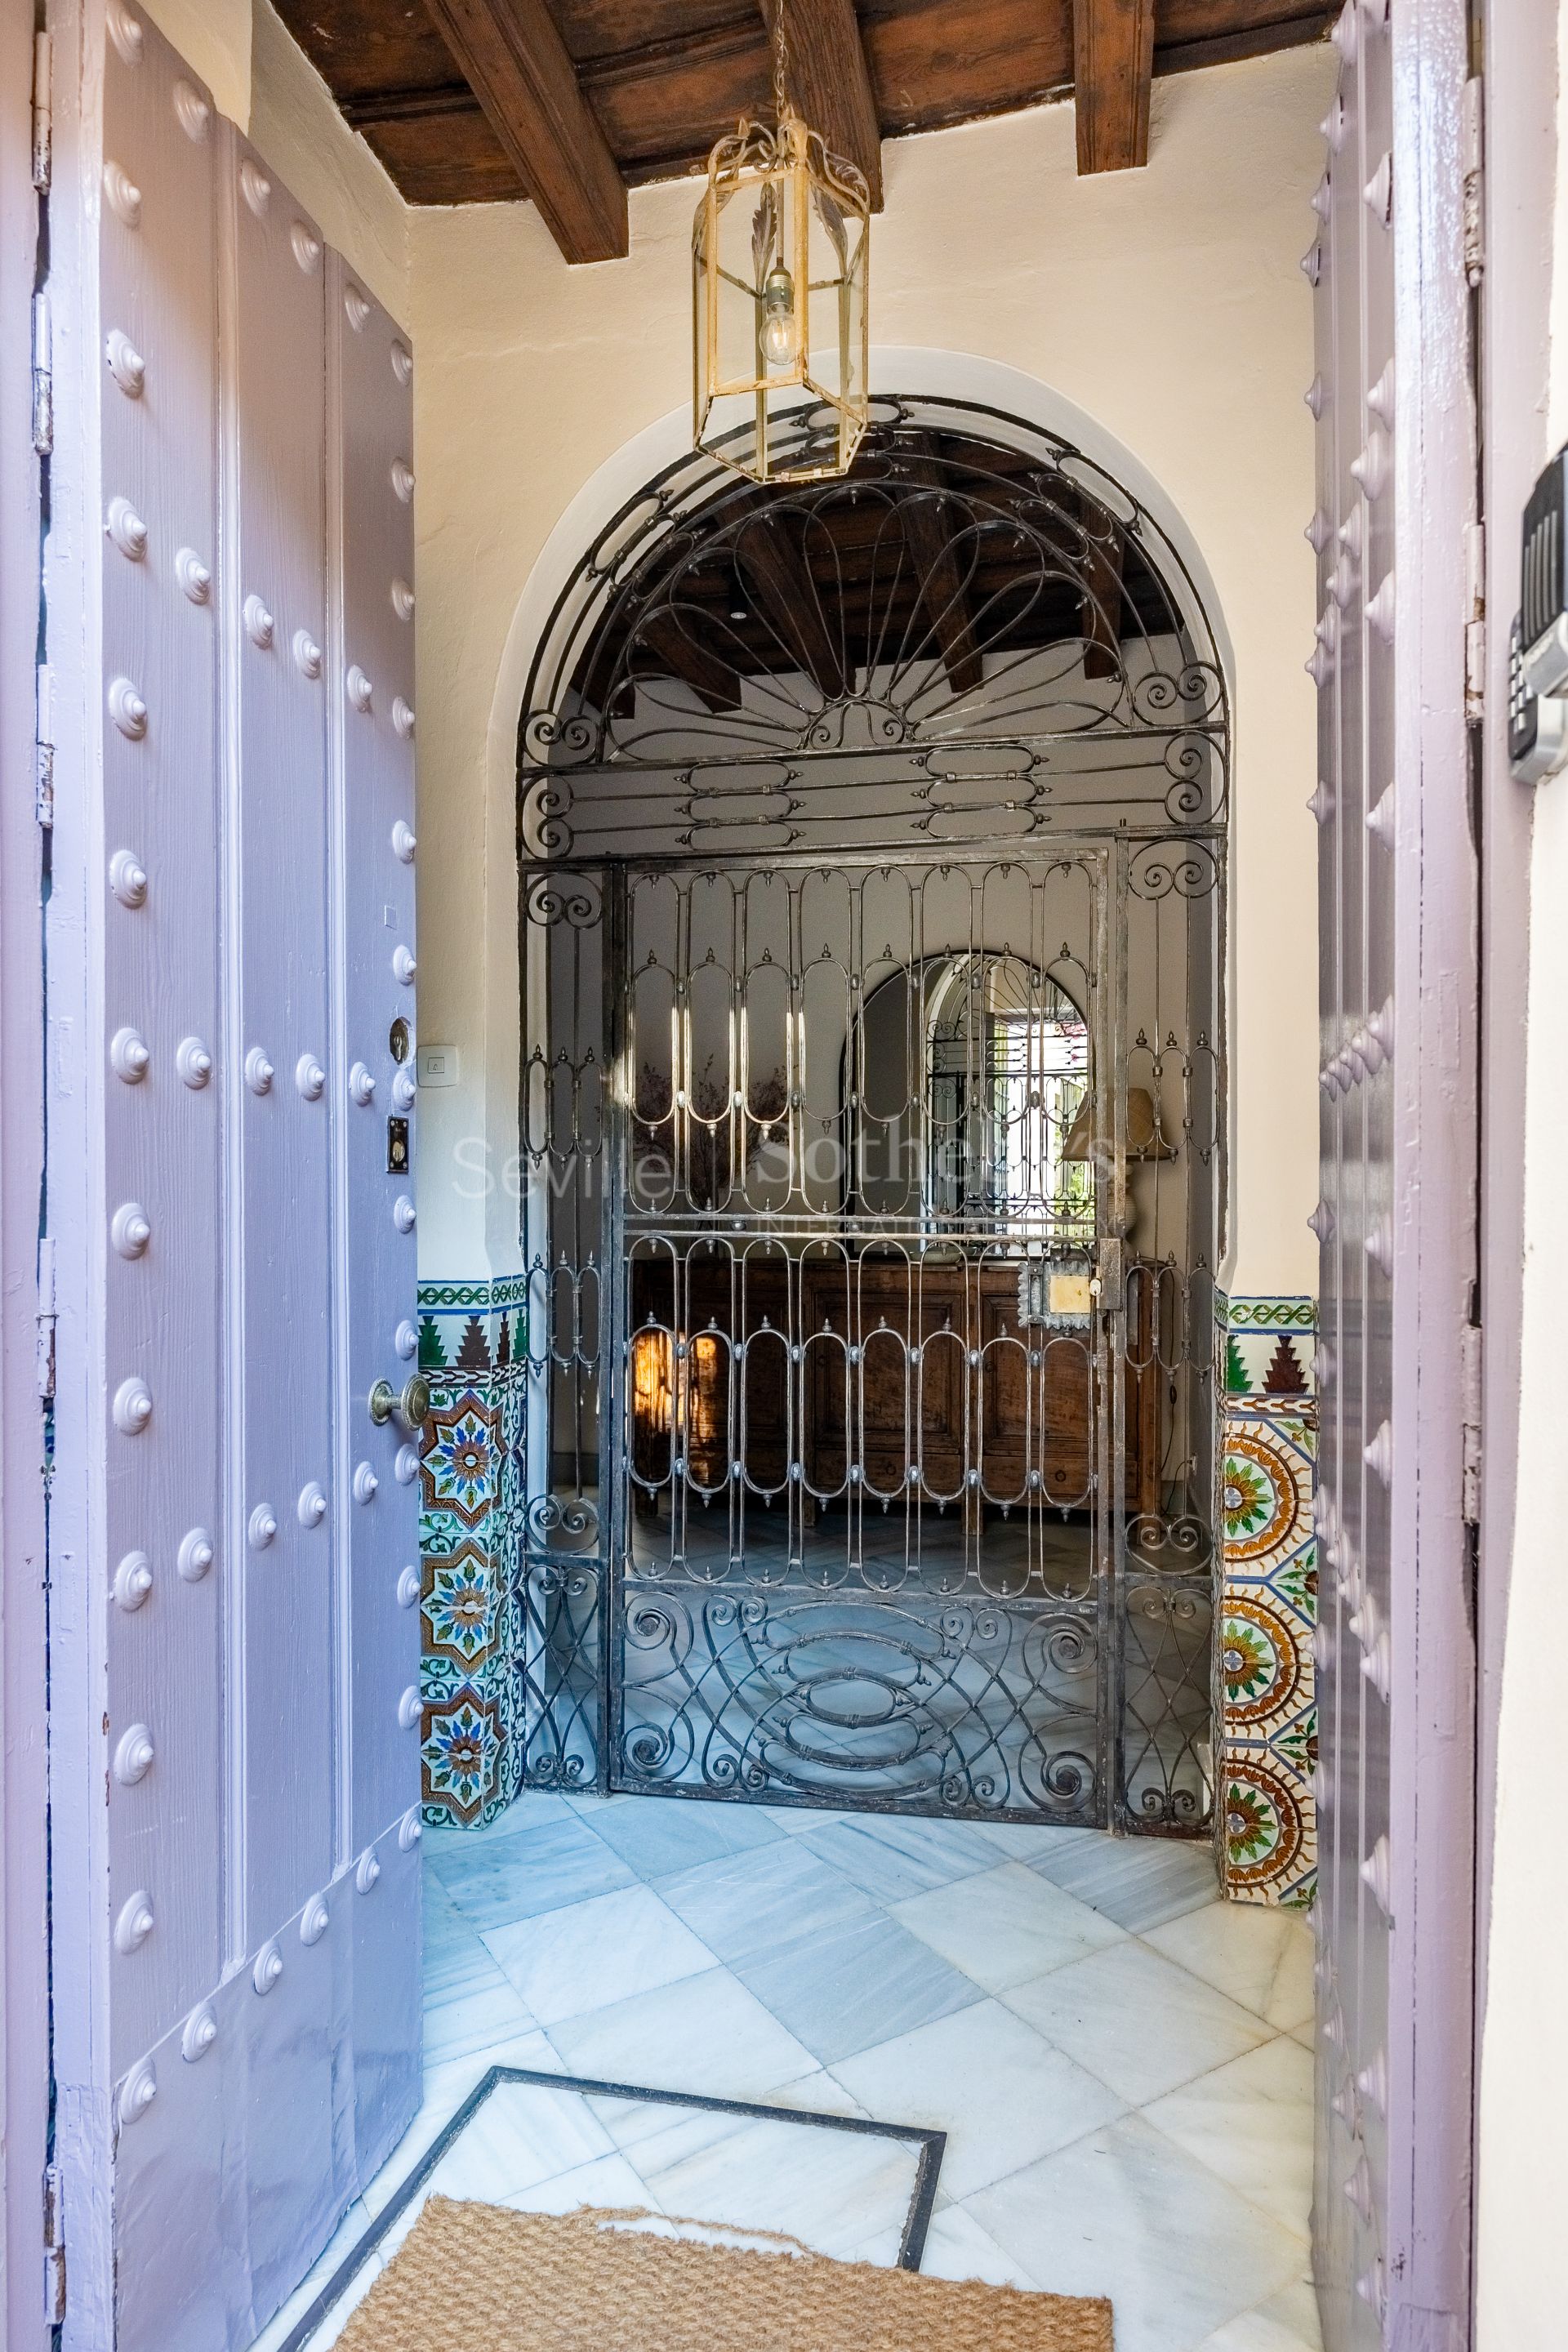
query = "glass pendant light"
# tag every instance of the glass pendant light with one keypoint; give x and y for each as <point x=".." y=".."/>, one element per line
<point x="780" y="247"/>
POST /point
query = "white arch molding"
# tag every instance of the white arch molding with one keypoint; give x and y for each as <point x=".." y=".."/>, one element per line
<point x="895" y="368"/>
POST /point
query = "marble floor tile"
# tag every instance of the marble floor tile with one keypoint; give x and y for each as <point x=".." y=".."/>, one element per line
<point x="1306" y="2034"/>
<point x="1135" y="2020"/>
<point x="520" y="2135"/>
<point x="1261" y="2331"/>
<point x="1006" y="1924"/>
<point x="854" y="1986"/>
<point x="1124" y="2212"/>
<point x="589" y="1955"/>
<point x="446" y="2088"/>
<point x="956" y="2247"/>
<point x="888" y="1856"/>
<point x="1260" y="1954"/>
<point x="1001" y="2092"/>
<point x="656" y="2137"/>
<point x="1138" y="1882"/>
<point x="1251" y="2122"/>
<point x="707" y="2034"/>
<point x="499" y="1880"/>
<point x="657" y="1836"/>
<point x="353" y="2226"/>
<point x="834" y="2190"/>
<point x="753" y="1905"/>
<point x="469" y="2002"/>
<point x="608" y="2180"/>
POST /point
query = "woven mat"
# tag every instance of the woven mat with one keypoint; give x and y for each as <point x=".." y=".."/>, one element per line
<point x="481" y="2278"/>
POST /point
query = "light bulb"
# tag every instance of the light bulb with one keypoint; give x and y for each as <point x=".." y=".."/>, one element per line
<point x="781" y="333"/>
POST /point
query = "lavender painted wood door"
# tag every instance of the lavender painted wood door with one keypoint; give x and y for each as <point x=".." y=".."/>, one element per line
<point x="1396" y="1216"/>
<point x="231" y="976"/>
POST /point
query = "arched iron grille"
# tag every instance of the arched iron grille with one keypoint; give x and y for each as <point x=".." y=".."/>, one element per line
<point x="872" y="848"/>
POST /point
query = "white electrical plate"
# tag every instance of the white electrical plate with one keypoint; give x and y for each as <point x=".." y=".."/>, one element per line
<point x="437" y="1066"/>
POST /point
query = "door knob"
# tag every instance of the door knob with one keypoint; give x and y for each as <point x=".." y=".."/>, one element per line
<point x="411" y="1407"/>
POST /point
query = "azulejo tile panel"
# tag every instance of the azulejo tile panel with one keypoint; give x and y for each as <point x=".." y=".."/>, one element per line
<point x="1265" y="1349"/>
<point x="470" y="1468"/>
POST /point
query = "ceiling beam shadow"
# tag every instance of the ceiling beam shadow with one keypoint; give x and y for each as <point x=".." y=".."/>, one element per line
<point x="775" y="569"/>
<point x="928" y="535"/>
<point x="516" y="65"/>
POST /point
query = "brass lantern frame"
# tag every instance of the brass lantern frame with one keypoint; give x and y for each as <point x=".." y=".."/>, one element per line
<point x="782" y="422"/>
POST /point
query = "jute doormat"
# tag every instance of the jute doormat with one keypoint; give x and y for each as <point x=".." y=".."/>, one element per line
<point x="481" y="2278"/>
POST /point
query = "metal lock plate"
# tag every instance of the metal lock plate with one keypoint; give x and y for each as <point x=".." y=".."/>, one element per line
<point x="397" y="1147"/>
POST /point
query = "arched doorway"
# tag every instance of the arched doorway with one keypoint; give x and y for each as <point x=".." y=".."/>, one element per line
<point x="872" y="839"/>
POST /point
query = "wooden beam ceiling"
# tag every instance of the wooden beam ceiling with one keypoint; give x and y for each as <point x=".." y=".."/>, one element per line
<point x="829" y="82"/>
<point x="515" y="61"/>
<point x="1113" y="66"/>
<point x="573" y="100"/>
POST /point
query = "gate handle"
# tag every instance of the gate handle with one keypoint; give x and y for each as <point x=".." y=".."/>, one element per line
<point x="411" y="1407"/>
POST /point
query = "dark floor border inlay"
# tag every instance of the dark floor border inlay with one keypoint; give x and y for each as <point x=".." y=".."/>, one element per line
<point x="912" y="2244"/>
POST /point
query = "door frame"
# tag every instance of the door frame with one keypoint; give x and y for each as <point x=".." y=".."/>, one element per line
<point x="23" y="1916"/>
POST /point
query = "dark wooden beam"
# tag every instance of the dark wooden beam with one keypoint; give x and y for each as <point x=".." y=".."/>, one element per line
<point x="1113" y="62"/>
<point x="1256" y="41"/>
<point x="775" y="570"/>
<point x="942" y="576"/>
<point x="709" y="674"/>
<point x="829" y="82"/>
<point x="516" y="63"/>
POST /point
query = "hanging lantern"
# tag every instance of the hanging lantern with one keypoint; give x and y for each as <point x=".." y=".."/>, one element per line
<point x="779" y="254"/>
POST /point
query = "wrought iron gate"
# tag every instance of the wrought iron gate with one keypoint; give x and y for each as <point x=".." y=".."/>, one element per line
<point x="873" y="1153"/>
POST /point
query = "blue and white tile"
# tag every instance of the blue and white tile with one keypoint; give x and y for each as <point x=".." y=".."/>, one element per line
<point x="856" y="1985"/>
<point x="1135" y="2020"/>
<point x="1002" y="2093"/>
<point x="956" y="2247"/>
<point x="1250" y="2122"/>
<point x="1260" y="1954"/>
<point x="1287" y="2322"/>
<point x="349" y="2230"/>
<point x="666" y="1834"/>
<point x="1006" y="1926"/>
<point x="706" y="2034"/>
<point x="1126" y="2213"/>
<point x="835" y="2191"/>
<point x="496" y="1879"/>
<point x="889" y="1857"/>
<point x="1138" y="1882"/>
<point x="590" y="1955"/>
<point x="753" y="1905"/>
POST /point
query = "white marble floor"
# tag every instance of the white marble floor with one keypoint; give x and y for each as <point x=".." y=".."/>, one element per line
<point x="1121" y="2062"/>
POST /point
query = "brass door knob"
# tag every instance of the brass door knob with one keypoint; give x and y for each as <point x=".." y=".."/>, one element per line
<point x="411" y="1407"/>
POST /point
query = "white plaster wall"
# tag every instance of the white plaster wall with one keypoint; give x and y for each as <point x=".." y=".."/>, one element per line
<point x="1521" y="2250"/>
<point x="329" y="167"/>
<point x="214" y="36"/>
<point x="1166" y="303"/>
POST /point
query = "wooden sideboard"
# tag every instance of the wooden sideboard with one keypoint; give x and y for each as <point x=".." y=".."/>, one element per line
<point x="970" y="1400"/>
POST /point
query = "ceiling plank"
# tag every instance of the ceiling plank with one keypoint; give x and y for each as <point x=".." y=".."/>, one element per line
<point x="515" y="61"/>
<point x="1113" y="63"/>
<point x="829" y="81"/>
<point x="715" y="681"/>
<point x="925" y="522"/>
<point x="776" y="571"/>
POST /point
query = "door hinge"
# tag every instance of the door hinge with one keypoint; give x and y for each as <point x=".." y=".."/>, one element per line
<point x="1476" y="623"/>
<point x="45" y="1346"/>
<point x="42" y="378"/>
<point x="1470" y="1469"/>
<point x="43" y="112"/>
<point x="1475" y="249"/>
<point x="43" y="749"/>
<point x="54" y="2247"/>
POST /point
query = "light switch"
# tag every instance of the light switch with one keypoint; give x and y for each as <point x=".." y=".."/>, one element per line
<point x="437" y="1066"/>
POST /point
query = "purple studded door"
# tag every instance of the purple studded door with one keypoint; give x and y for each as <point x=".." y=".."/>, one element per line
<point x="1396" y="486"/>
<point x="234" y="1537"/>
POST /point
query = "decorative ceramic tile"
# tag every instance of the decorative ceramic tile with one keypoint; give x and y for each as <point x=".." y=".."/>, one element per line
<point x="471" y="1344"/>
<point x="1269" y="1600"/>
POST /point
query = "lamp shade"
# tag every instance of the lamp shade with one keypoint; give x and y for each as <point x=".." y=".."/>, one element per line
<point x="1145" y="1141"/>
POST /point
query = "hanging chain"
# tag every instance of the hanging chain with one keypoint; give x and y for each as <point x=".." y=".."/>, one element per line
<point x="781" y="61"/>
